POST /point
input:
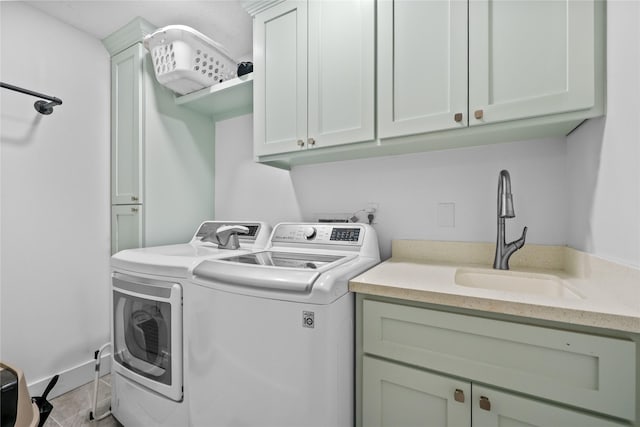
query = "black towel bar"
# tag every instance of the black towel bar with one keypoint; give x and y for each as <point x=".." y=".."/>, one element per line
<point x="42" y="107"/>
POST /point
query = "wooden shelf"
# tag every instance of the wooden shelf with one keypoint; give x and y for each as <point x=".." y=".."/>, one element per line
<point x="222" y="101"/>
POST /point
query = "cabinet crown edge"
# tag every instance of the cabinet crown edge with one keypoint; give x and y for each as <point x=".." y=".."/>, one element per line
<point x="128" y="35"/>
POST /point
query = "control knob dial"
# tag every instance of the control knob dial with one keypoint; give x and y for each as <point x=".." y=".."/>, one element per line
<point x="309" y="233"/>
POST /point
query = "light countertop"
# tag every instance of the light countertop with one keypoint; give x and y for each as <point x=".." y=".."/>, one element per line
<point x="607" y="295"/>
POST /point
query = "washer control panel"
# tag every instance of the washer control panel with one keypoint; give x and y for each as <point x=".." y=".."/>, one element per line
<point x="344" y="234"/>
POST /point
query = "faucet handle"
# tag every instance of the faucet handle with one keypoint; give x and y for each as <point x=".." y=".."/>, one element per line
<point x="520" y="242"/>
<point x="227" y="236"/>
<point x="228" y="229"/>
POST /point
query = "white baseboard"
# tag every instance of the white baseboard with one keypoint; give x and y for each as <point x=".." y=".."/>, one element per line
<point x="72" y="377"/>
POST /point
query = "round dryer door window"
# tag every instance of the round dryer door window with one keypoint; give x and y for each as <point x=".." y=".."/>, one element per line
<point x="146" y="328"/>
<point x="142" y="330"/>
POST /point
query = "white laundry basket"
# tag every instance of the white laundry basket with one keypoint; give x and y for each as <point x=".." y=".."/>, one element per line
<point x="186" y="60"/>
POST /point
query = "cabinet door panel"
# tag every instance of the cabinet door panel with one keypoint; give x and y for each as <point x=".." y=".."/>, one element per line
<point x="530" y="58"/>
<point x="127" y="126"/>
<point x="398" y="396"/>
<point x="126" y="227"/>
<point x="569" y="367"/>
<point x="280" y="76"/>
<point x="509" y="410"/>
<point x="422" y="66"/>
<point x="341" y="71"/>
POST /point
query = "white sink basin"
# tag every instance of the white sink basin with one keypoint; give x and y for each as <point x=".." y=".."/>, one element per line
<point x="516" y="282"/>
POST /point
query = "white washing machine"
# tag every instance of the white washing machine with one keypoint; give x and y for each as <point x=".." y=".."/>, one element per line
<point x="271" y="333"/>
<point x="148" y="287"/>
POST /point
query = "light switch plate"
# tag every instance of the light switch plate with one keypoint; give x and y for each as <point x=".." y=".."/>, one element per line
<point x="446" y="214"/>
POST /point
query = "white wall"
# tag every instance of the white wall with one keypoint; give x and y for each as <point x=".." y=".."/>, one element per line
<point x="604" y="154"/>
<point x="245" y="190"/>
<point x="409" y="189"/>
<point x="54" y="199"/>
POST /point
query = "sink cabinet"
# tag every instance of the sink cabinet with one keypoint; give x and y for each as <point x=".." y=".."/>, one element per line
<point x="421" y="366"/>
<point x="313" y="75"/>
<point x="395" y="395"/>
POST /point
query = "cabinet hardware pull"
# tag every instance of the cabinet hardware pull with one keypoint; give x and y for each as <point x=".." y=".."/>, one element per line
<point x="457" y="117"/>
<point x="458" y="395"/>
<point x="478" y="114"/>
<point x="134" y="210"/>
<point x="134" y="198"/>
<point x="300" y="143"/>
<point x="485" y="403"/>
<point x="311" y="142"/>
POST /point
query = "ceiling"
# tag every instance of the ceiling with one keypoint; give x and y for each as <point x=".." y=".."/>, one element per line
<point x="224" y="21"/>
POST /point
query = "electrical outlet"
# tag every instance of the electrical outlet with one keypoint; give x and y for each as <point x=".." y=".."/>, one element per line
<point x="372" y="207"/>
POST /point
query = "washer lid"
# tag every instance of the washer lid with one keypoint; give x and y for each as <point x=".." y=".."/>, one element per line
<point x="171" y="260"/>
<point x="267" y="278"/>
<point x="304" y="261"/>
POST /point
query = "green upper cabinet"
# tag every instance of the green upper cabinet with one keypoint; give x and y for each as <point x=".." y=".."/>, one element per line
<point x="280" y="78"/>
<point x="126" y="126"/>
<point x="530" y="58"/>
<point x="433" y="74"/>
<point x="449" y="64"/>
<point x="422" y="66"/>
<point x="313" y="75"/>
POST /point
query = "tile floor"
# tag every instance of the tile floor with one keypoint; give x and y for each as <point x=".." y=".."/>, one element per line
<point x="72" y="409"/>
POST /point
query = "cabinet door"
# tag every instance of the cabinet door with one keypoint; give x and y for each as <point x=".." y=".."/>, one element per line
<point x="280" y="78"/>
<point x="492" y="408"/>
<point x="127" y="126"/>
<point x="341" y="72"/>
<point x="398" y="396"/>
<point x="126" y="227"/>
<point x="422" y="66"/>
<point x="530" y="58"/>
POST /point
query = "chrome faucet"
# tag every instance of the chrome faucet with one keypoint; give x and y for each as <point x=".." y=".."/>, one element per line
<point x="226" y="236"/>
<point x="505" y="210"/>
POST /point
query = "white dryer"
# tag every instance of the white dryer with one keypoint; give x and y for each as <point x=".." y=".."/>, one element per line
<point x="148" y="287"/>
<point x="272" y="332"/>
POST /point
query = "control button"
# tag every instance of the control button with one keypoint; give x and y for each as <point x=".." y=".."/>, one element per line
<point x="309" y="233"/>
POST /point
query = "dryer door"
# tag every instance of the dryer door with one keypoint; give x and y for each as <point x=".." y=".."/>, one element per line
<point x="147" y="333"/>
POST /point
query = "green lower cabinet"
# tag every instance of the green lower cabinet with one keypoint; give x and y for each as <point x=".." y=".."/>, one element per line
<point x="424" y="367"/>
<point x="126" y="227"/>
<point x="398" y="396"/>
<point x="493" y="408"/>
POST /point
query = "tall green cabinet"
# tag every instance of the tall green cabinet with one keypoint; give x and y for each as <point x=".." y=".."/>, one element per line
<point x="162" y="154"/>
